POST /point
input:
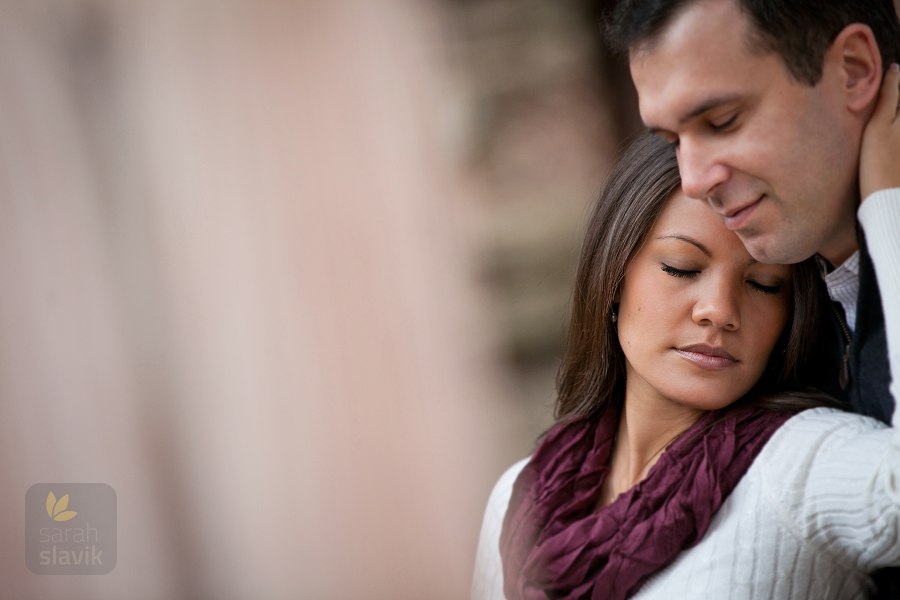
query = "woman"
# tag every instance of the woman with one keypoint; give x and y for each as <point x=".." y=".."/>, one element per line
<point x="675" y="469"/>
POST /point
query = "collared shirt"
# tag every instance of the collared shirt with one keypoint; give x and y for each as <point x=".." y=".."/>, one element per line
<point x="843" y="285"/>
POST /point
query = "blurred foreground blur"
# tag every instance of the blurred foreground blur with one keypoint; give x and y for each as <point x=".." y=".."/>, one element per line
<point x="291" y="277"/>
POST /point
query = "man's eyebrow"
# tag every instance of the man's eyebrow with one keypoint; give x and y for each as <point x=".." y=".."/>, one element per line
<point x="704" y="106"/>
<point x="689" y="240"/>
<point x="707" y="105"/>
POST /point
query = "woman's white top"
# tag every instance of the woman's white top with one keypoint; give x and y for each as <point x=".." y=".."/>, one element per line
<point x="816" y="512"/>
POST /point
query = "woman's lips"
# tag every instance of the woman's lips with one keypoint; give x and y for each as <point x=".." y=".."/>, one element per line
<point x="707" y="357"/>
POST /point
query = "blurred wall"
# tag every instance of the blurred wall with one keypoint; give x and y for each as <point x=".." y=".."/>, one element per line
<point x="236" y="287"/>
<point x="546" y="109"/>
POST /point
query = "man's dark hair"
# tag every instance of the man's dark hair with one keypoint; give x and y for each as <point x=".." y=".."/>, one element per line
<point x="800" y="31"/>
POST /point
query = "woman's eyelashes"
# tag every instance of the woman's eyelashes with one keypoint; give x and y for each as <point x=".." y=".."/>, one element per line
<point x="674" y="272"/>
<point x="764" y="288"/>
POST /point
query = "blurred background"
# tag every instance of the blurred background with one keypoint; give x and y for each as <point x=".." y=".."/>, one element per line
<point x="292" y="277"/>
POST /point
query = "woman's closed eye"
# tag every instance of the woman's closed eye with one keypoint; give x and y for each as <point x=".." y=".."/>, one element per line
<point x="765" y="289"/>
<point x="675" y="272"/>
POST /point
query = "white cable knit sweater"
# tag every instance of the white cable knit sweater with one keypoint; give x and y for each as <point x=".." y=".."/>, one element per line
<point x="816" y="512"/>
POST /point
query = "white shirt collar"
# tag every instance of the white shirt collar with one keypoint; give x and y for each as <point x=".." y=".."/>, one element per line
<point x="843" y="285"/>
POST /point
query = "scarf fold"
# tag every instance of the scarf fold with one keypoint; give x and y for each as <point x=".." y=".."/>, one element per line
<point x="554" y="544"/>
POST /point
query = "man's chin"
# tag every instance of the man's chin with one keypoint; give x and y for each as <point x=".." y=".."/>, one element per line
<point x="767" y="250"/>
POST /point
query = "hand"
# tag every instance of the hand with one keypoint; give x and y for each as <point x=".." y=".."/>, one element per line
<point x="879" y="158"/>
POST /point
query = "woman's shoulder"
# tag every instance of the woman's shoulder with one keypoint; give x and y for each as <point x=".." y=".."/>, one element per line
<point x="502" y="491"/>
<point x="487" y="580"/>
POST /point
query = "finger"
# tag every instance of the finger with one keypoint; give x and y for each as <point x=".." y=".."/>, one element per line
<point x="890" y="94"/>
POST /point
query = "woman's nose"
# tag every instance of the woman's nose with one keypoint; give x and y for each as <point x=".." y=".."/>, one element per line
<point x="718" y="306"/>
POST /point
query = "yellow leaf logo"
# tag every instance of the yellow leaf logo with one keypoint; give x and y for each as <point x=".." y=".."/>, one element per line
<point x="56" y="509"/>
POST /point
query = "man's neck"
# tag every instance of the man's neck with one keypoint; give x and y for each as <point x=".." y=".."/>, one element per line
<point x="841" y="247"/>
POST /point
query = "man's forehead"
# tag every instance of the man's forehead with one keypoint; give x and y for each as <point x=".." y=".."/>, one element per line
<point x="669" y="95"/>
<point x="698" y="29"/>
<point x="693" y="17"/>
<point x="694" y="64"/>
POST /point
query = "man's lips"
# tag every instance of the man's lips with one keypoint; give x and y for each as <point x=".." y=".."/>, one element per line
<point x="707" y="357"/>
<point x="736" y="218"/>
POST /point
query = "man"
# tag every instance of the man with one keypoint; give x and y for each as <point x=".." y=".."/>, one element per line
<point x="767" y="102"/>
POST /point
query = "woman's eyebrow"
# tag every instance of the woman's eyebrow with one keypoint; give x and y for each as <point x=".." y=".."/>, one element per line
<point x="689" y="240"/>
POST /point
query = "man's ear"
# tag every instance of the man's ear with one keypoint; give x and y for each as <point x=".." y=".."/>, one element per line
<point x="859" y="65"/>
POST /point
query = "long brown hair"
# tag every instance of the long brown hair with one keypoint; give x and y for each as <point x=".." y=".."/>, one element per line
<point x="592" y="372"/>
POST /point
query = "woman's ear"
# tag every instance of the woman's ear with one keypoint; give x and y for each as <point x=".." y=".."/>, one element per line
<point x="857" y="58"/>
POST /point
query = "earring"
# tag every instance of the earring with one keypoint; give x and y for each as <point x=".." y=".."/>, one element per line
<point x="615" y="314"/>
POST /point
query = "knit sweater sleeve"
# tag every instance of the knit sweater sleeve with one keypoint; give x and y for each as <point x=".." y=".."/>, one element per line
<point x="832" y="481"/>
<point x="487" y="580"/>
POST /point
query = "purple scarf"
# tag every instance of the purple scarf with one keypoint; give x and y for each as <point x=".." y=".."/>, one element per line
<point x="554" y="544"/>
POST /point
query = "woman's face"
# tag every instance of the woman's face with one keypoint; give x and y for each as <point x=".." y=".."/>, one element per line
<point x="698" y="317"/>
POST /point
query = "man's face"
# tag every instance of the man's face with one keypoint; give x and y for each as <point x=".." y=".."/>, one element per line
<point x="775" y="158"/>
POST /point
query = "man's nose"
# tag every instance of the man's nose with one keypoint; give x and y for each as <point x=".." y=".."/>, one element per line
<point x="701" y="171"/>
<point x="718" y="306"/>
